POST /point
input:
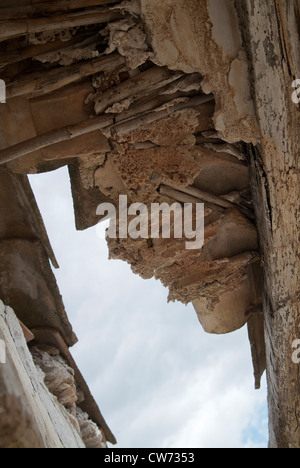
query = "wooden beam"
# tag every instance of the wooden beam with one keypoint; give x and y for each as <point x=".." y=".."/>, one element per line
<point x="90" y="42"/>
<point x="40" y="83"/>
<point x="53" y="137"/>
<point x="210" y="199"/>
<point x="184" y="198"/>
<point x="157" y="99"/>
<point x="22" y="27"/>
<point x="17" y="55"/>
<point x="48" y="7"/>
<point x="146" y="117"/>
<point x="145" y="82"/>
<point x="105" y="123"/>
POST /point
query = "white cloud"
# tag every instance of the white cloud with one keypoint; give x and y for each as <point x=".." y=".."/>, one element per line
<point x="159" y="380"/>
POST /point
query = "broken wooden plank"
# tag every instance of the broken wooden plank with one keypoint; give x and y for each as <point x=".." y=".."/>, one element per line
<point x="22" y="27"/>
<point x="147" y="81"/>
<point x="40" y="83"/>
<point x="17" y="55"/>
<point x="70" y="53"/>
<point x="157" y="98"/>
<point x="185" y="198"/>
<point x="206" y="197"/>
<point x="153" y="115"/>
<point x="48" y="7"/>
<point x="145" y="104"/>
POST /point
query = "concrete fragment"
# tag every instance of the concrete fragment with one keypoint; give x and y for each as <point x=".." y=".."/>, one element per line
<point x="204" y="37"/>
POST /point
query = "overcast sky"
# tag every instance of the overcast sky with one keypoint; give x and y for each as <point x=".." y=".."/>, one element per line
<point x="159" y="380"/>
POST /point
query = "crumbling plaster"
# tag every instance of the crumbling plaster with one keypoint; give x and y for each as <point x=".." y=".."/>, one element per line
<point x="204" y="37"/>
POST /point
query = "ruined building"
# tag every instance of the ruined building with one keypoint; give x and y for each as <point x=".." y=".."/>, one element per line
<point x="161" y="101"/>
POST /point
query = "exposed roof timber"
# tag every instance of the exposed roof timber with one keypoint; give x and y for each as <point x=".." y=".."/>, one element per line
<point x="46" y="81"/>
<point x="82" y="128"/>
<point x="206" y="197"/>
<point x="46" y="7"/>
<point x="17" y="28"/>
<point x="53" y="137"/>
<point x="36" y="50"/>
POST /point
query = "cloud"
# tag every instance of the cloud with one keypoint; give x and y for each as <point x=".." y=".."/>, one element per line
<point x="159" y="380"/>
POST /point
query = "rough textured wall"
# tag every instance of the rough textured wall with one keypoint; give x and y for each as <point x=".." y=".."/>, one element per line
<point x="31" y="417"/>
<point x="174" y="101"/>
<point x="204" y="37"/>
<point x="273" y="38"/>
<point x="39" y="395"/>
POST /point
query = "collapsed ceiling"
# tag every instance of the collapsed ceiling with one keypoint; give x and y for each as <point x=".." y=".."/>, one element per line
<point x="146" y="99"/>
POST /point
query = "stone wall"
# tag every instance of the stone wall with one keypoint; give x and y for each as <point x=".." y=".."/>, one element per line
<point x="273" y="37"/>
<point x="31" y="417"/>
<point x="28" y="286"/>
<point x="38" y="396"/>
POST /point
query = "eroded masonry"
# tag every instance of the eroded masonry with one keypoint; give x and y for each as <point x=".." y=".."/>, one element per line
<point x="161" y="101"/>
